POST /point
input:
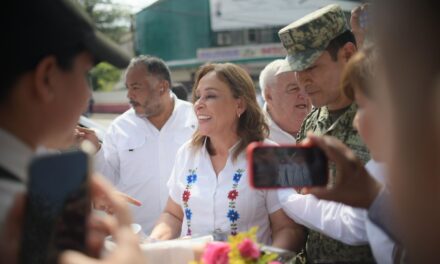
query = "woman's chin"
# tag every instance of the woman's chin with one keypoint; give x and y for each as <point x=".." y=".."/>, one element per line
<point x="204" y="131"/>
<point x="205" y="134"/>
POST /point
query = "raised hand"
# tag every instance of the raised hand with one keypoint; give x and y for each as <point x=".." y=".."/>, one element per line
<point x="82" y="133"/>
<point x="353" y="185"/>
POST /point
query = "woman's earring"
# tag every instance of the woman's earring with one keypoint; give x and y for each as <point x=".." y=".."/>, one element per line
<point x="238" y="114"/>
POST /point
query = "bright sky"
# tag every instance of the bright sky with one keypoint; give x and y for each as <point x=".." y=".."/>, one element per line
<point x="134" y="5"/>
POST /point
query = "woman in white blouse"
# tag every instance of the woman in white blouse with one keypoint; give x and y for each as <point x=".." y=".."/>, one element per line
<point x="209" y="187"/>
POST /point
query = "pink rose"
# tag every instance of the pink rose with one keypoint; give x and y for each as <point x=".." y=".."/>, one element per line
<point x="275" y="262"/>
<point x="249" y="249"/>
<point x="216" y="253"/>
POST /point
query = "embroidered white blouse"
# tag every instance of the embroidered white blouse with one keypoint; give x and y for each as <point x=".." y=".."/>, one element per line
<point x="225" y="204"/>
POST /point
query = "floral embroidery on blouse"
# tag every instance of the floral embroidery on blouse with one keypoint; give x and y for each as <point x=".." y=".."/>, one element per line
<point x="190" y="180"/>
<point x="232" y="195"/>
<point x="233" y="215"/>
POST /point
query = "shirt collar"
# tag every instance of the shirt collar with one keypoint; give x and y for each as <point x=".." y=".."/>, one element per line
<point x="14" y="155"/>
<point x="231" y="149"/>
<point x="188" y="122"/>
<point x="349" y="114"/>
<point x="270" y="121"/>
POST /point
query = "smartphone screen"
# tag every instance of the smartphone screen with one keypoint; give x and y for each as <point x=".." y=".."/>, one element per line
<point x="287" y="166"/>
<point x="57" y="207"/>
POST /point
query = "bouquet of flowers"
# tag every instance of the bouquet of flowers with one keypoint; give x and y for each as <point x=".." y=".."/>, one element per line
<point x="240" y="249"/>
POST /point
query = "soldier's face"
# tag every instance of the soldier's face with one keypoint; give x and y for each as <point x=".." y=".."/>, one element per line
<point x="321" y="81"/>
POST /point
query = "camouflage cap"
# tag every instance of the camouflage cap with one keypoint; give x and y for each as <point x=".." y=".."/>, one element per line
<point x="306" y="38"/>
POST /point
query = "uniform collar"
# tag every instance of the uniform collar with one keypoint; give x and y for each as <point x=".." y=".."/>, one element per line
<point x="348" y="114"/>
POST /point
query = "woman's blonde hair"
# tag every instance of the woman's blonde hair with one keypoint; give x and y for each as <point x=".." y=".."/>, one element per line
<point x="358" y="74"/>
<point x="252" y="125"/>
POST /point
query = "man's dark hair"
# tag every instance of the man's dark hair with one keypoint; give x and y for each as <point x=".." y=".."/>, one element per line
<point x="153" y="65"/>
<point x="180" y="91"/>
<point x="337" y="43"/>
<point x="64" y="59"/>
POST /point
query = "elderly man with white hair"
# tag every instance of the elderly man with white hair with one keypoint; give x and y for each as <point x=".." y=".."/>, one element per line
<point x="286" y="104"/>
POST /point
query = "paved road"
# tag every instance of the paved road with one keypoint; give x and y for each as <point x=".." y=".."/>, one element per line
<point x="103" y="119"/>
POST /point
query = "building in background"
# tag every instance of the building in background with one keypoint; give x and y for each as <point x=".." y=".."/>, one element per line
<point x="189" y="33"/>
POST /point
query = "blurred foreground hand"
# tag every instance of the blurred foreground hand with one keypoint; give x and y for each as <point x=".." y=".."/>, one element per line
<point x="353" y="185"/>
<point x="359" y="23"/>
<point x="10" y="236"/>
<point x="101" y="203"/>
<point x="82" y="133"/>
<point x="127" y="250"/>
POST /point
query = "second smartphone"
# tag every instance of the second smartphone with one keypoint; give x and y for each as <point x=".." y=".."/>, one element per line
<point x="57" y="207"/>
<point x="285" y="166"/>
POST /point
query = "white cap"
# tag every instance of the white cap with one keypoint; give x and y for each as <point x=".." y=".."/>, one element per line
<point x="284" y="67"/>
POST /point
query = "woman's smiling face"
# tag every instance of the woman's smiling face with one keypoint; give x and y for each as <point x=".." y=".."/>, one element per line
<point x="215" y="107"/>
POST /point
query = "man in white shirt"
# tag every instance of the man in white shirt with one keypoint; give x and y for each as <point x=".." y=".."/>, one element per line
<point x="139" y="149"/>
<point x="287" y="104"/>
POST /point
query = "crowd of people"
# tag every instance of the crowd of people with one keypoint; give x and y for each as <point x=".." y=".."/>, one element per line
<point x="367" y="95"/>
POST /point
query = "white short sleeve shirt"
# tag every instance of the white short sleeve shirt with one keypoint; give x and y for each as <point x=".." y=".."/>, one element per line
<point x="138" y="159"/>
<point x="224" y="203"/>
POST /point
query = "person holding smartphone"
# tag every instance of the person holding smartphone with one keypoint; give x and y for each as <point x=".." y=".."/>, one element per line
<point x="44" y="87"/>
<point x="51" y="46"/>
<point x="128" y="250"/>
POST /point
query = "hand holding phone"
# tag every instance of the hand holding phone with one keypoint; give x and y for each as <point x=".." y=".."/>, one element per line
<point x="102" y="204"/>
<point x="84" y="133"/>
<point x="128" y="249"/>
<point x="11" y="231"/>
<point x="286" y="166"/>
<point x="353" y="185"/>
<point x="57" y="207"/>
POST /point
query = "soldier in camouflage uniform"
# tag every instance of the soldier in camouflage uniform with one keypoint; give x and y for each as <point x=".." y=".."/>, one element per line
<point x="318" y="46"/>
